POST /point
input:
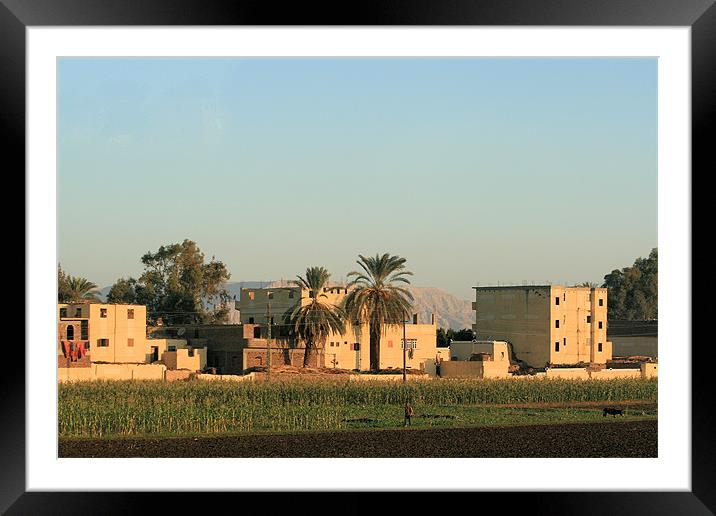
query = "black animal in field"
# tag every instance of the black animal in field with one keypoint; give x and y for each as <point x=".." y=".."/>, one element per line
<point x="613" y="411"/>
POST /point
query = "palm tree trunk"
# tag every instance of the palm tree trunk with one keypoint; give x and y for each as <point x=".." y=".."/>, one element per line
<point x="374" y="347"/>
<point x="306" y="354"/>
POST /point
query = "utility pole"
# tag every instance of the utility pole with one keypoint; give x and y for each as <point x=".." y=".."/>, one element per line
<point x="405" y="344"/>
<point x="268" y="341"/>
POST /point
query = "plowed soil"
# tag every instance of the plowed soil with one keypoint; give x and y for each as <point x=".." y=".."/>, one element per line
<point x="603" y="439"/>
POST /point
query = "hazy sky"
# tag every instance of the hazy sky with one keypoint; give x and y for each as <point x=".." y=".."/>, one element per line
<point x="475" y="170"/>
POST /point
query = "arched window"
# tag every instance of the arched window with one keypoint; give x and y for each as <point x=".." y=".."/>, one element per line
<point x="70" y="332"/>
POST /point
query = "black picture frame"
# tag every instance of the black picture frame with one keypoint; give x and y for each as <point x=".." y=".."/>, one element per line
<point x="17" y="15"/>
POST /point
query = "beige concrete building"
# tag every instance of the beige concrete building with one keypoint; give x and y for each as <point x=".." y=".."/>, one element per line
<point x="547" y="324"/>
<point x="106" y="332"/>
<point x="91" y="333"/>
<point x="350" y="350"/>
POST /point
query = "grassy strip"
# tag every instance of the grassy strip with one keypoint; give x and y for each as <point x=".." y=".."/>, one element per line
<point x="96" y="409"/>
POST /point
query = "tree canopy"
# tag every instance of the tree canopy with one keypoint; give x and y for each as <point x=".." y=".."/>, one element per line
<point x="633" y="291"/>
<point x="314" y="322"/>
<point x="75" y="289"/>
<point x="444" y="337"/>
<point x="178" y="286"/>
<point x="377" y="299"/>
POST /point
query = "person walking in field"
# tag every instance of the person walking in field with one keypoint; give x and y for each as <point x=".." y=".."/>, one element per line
<point x="408" y="414"/>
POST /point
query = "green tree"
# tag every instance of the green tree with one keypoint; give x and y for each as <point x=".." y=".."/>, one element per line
<point x="315" y="321"/>
<point x="463" y="335"/>
<point x="178" y="286"/>
<point x="633" y="291"/>
<point x="376" y="299"/>
<point x="80" y="289"/>
<point x="63" y="286"/>
<point x="123" y="291"/>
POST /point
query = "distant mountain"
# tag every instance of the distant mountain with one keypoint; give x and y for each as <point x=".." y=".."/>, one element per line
<point x="450" y="311"/>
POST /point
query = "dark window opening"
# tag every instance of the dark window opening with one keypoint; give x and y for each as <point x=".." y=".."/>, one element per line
<point x="78" y="312"/>
<point x="589" y="319"/>
<point x="600" y="325"/>
<point x="556" y="323"/>
<point x="257" y="332"/>
<point x="556" y="300"/>
<point x="84" y="330"/>
<point x="565" y="342"/>
<point x="130" y="313"/>
<point x="556" y="346"/>
<point x="103" y="312"/>
<point x="171" y="348"/>
<point x="599" y="347"/>
<point x="63" y="312"/>
<point x="102" y="343"/>
<point x="70" y="332"/>
<point x="601" y="302"/>
<point x="251" y="320"/>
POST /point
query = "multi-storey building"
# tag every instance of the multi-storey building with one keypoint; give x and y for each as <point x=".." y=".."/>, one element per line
<point x="117" y="334"/>
<point x="349" y="350"/>
<point x="547" y="324"/>
<point x="102" y="333"/>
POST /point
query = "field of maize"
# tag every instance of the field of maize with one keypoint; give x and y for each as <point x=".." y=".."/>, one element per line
<point x="142" y="408"/>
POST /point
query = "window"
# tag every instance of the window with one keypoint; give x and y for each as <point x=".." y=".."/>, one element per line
<point x="84" y="330"/>
<point x="103" y="312"/>
<point x="556" y="346"/>
<point x="565" y="342"/>
<point x="600" y="325"/>
<point x="556" y="300"/>
<point x="589" y="319"/>
<point x="346" y="342"/>
<point x="356" y="346"/>
<point x="556" y="323"/>
<point x="251" y="296"/>
<point x="290" y="294"/>
<point x="130" y="343"/>
<point x="102" y="343"/>
<point x="601" y="302"/>
<point x="599" y="347"/>
<point x="63" y="312"/>
<point x="191" y="353"/>
<point x="130" y="313"/>
<point x="70" y="332"/>
<point x="78" y="312"/>
<point x="331" y="344"/>
<point x="251" y="320"/>
<point x="171" y="348"/>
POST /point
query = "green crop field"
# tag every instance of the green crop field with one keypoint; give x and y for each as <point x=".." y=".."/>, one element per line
<point x="155" y="408"/>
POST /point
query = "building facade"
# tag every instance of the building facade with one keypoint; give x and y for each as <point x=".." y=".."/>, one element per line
<point x="102" y="333"/>
<point x="349" y="350"/>
<point x="547" y="324"/>
<point x="116" y="334"/>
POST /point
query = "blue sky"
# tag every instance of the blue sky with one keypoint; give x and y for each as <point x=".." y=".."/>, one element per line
<point x="475" y="170"/>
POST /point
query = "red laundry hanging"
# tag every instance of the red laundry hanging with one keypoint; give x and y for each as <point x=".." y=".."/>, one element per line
<point x="66" y="348"/>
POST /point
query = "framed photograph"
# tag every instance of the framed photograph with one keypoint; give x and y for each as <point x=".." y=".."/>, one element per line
<point x="657" y="58"/>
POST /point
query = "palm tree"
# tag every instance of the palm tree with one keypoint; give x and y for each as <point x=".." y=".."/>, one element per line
<point x="81" y="289"/>
<point x="376" y="299"/>
<point x="315" y="321"/>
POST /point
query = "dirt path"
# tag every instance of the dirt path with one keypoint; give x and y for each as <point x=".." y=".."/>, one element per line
<point x="608" y="439"/>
